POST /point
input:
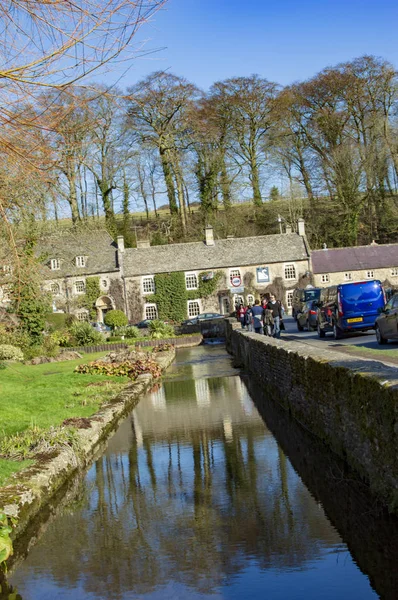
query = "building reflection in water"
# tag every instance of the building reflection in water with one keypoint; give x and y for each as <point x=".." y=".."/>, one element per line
<point x="193" y="498"/>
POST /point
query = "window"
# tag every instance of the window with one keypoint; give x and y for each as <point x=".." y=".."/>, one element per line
<point x="191" y="281"/>
<point x="347" y="276"/>
<point x="82" y="316"/>
<point x="325" y="278"/>
<point x="290" y="272"/>
<point x="234" y="274"/>
<point x="250" y="299"/>
<point x="148" y="286"/>
<point x="55" y="289"/>
<point x="238" y="300"/>
<point x="151" y="311"/>
<point x="80" y="287"/>
<point x="80" y="261"/>
<point x="394" y="272"/>
<point x="289" y="298"/>
<point x="369" y="274"/>
<point x="55" y="264"/>
<point x="193" y="308"/>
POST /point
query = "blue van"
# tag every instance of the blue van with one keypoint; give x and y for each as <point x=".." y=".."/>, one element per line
<point x="349" y="307"/>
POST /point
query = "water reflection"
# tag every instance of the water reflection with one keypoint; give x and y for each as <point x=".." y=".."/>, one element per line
<point x="192" y="499"/>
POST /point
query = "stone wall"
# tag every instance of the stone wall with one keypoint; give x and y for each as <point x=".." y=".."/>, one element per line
<point x="349" y="403"/>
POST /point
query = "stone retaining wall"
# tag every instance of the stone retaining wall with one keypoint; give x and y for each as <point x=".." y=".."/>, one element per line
<point x="350" y="403"/>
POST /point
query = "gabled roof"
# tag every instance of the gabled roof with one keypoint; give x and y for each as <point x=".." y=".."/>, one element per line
<point x="358" y="258"/>
<point x="232" y="252"/>
<point x="97" y="247"/>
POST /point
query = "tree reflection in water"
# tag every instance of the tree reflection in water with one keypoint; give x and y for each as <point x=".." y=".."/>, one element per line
<point x="192" y="491"/>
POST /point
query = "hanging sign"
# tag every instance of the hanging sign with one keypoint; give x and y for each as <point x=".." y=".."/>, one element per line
<point x="236" y="282"/>
<point x="262" y="274"/>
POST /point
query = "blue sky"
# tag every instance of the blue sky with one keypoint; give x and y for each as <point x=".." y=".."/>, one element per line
<point x="281" y="40"/>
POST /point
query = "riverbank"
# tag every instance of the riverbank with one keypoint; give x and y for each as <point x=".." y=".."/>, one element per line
<point x="31" y="489"/>
<point x="349" y="403"/>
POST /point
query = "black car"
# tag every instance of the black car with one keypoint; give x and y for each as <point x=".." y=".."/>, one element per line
<point x="307" y="319"/>
<point x="202" y="317"/>
<point x="300" y="299"/>
<point x="387" y="322"/>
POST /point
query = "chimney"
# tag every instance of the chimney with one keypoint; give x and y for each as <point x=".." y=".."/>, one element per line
<point x="209" y="236"/>
<point x="120" y="243"/>
<point x="288" y="229"/>
<point x="143" y="244"/>
<point x="301" y="227"/>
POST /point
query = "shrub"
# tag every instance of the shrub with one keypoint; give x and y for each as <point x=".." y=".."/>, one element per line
<point x="50" y="345"/>
<point x="17" y="337"/>
<point x="63" y="337"/>
<point x="56" y="321"/>
<point x="158" y="329"/>
<point x="115" y="318"/>
<point x="84" y="334"/>
<point x="126" y="368"/>
<point x="129" y="332"/>
<point x="8" y="352"/>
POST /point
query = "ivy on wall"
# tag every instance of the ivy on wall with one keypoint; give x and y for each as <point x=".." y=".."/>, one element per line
<point x="88" y="299"/>
<point x="171" y="295"/>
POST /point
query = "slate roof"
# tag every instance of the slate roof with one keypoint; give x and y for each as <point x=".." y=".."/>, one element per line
<point x="97" y="246"/>
<point x="231" y="252"/>
<point x="358" y="258"/>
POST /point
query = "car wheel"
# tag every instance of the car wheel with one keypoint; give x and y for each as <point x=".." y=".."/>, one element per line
<point x="299" y="326"/>
<point x="379" y="337"/>
<point x="337" y="333"/>
<point x="321" y="333"/>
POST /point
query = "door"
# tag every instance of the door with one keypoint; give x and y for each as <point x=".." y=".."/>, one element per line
<point x="224" y="305"/>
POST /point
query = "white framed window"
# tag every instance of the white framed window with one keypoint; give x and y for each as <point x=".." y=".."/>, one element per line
<point x="191" y="281"/>
<point x="55" y="289"/>
<point x="250" y="299"/>
<point x="289" y="299"/>
<point x="55" y="264"/>
<point x="193" y="308"/>
<point x="369" y="274"/>
<point x="151" y="311"/>
<point x="347" y="276"/>
<point x="234" y="274"/>
<point x="394" y="272"/>
<point x="148" y="285"/>
<point x="82" y="316"/>
<point x="325" y="278"/>
<point x="80" y="287"/>
<point x="80" y="261"/>
<point x="290" y="271"/>
<point x="238" y="300"/>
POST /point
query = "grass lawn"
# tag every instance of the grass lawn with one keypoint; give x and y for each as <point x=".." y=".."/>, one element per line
<point x="42" y="396"/>
<point x="389" y="354"/>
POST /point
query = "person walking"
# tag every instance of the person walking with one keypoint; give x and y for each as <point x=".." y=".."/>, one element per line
<point x="249" y="318"/>
<point x="276" y="310"/>
<point x="241" y="315"/>
<point x="257" y="312"/>
<point x="268" y="321"/>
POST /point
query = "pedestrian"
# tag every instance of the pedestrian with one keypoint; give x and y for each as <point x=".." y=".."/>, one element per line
<point x="257" y="312"/>
<point x="249" y="318"/>
<point x="268" y="320"/>
<point x="241" y="313"/>
<point x="276" y="309"/>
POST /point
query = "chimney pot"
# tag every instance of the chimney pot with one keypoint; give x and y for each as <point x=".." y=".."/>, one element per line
<point x="120" y="243"/>
<point x="301" y="227"/>
<point x="209" y="236"/>
<point x="288" y="229"/>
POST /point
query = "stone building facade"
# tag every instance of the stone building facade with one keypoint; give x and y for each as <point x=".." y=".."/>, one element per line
<point x="342" y="265"/>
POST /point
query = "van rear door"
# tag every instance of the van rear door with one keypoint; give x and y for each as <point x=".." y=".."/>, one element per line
<point x="360" y="302"/>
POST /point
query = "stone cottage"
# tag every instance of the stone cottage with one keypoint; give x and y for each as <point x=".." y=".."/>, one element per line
<point x="78" y="264"/>
<point x="341" y="265"/>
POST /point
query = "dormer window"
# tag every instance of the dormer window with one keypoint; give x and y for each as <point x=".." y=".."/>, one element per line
<point x="55" y="264"/>
<point x="80" y="261"/>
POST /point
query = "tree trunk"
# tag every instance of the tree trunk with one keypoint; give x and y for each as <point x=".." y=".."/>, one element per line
<point x="255" y="181"/>
<point x="225" y="184"/>
<point x="168" y="178"/>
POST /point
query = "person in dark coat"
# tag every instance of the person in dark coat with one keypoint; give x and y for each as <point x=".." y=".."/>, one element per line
<point x="257" y="312"/>
<point x="276" y="309"/>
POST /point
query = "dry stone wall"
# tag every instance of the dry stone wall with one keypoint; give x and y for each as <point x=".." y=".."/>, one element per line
<point x="349" y="403"/>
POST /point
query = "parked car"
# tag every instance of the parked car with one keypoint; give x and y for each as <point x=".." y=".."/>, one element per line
<point x="349" y="307"/>
<point x="101" y="327"/>
<point x="143" y="324"/>
<point x="301" y="297"/>
<point x="202" y="317"/>
<point x="307" y="319"/>
<point x="387" y="322"/>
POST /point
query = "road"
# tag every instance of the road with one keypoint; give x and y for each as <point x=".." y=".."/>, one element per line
<point x="367" y="340"/>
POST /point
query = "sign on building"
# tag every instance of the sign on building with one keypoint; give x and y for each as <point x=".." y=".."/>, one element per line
<point x="262" y="274"/>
